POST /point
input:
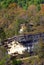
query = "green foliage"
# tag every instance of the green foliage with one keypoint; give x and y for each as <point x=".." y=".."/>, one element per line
<point x="3" y="56"/>
<point x="2" y="34"/>
<point x="4" y="60"/>
<point x="15" y="62"/>
<point x="39" y="8"/>
<point x="22" y="3"/>
<point x="17" y="25"/>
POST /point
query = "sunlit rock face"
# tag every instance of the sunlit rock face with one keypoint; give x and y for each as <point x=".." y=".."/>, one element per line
<point x="15" y="47"/>
<point x="23" y="28"/>
<point x="21" y="31"/>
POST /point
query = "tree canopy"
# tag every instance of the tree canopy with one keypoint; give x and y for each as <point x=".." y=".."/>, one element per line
<point x="22" y="3"/>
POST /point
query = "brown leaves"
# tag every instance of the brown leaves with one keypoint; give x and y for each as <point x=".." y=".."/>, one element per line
<point x="42" y="9"/>
<point x="13" y="14"/>
<point x="13" y="5"/>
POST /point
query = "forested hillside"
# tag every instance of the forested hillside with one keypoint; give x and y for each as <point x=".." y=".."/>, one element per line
<point x="13" y="13"/>
<point x="21" y="17"/>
